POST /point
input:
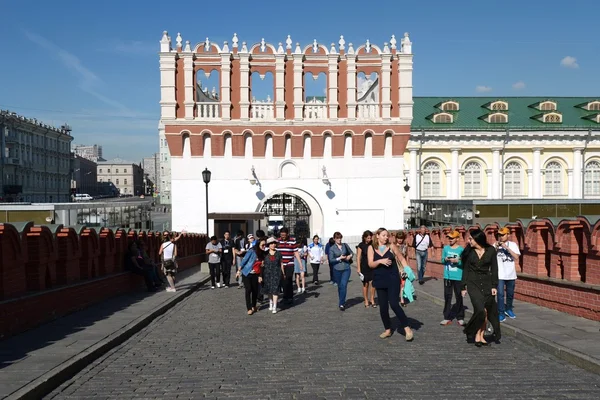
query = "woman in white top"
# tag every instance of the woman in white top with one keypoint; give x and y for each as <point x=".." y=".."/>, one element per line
<point x="168" y="254"/>
<point x="300" y="268"/>
<point x="316" y="256"/>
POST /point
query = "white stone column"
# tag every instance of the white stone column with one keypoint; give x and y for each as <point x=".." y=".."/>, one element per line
<point x="244" y="86"/>
<point x="386" y="102"/>
<point x="490" y="187"/>
<point x="537" y="173"/>
<point x="496" y="167"/>
<point x="412" y="177"/>
<point x="405" y="87"/>
<point x="332" y="90"/>
<point x="351" y="82"/>
<point x="167" y="86"/>
<point x="570" y="183"/>
<point x="578" y="167"/>
<point x="225" y="91"/>
<point x="298" y="85"/>
<point x="188" y="78"/>
<point x="530" y="183"/>
<point x="448" y="179"/>
<point x="280" y="87"/>
<point x="454" y="191"/>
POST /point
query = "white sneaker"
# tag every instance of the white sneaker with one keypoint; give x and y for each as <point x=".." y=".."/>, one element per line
<point x="299" y="290"/>
<point x="303" y="289"/>
<point x="218" y="285"/>
<point x="274" y="311"/>
<point x="270" y="305"/>
<point x="170" y="289"/>
<point x="212" y="287"/>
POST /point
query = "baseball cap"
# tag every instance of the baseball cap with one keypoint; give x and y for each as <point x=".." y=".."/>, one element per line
<point x="453" y="234"/>
<point x="250" y="236"/>
<point x="271" y="240"/>
<point x="504" y="231"/>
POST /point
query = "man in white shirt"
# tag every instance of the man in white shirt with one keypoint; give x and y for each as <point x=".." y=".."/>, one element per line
<point x="422" y="244"/>
<point x="507" y="253"/>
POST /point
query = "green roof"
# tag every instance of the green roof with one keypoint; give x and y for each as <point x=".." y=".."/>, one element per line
<point x="523" y="113"/>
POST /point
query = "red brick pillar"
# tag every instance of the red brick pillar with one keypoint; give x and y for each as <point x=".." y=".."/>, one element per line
<point x="538" y="244"/>
<point x="12" y="263"/>
<point x="106" y="256"/>
<point x="68" y="254"/>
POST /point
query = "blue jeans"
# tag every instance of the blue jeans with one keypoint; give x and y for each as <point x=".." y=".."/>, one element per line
<point x="421" y="263"/>
<point x="341" y="278"/>
<point x="510" y="295"/>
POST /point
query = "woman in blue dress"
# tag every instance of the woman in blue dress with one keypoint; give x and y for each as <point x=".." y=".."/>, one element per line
<point x="386" y="278"/>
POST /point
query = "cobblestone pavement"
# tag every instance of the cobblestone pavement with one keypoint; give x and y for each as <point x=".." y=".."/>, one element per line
<point x="207" y="347"/>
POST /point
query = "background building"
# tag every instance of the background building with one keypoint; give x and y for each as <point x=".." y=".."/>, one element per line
<point x="316" y="164"/>
<point x="126" y="176"/>
<point x="504" y="148"/>
<point x="85" y="176"/>
<point x="35" y="161"/>
<point x="151" y="166"/>
<point x="93" y="152"/>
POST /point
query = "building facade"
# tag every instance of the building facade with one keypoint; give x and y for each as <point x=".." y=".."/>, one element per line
<point x="126" y="176"/>
<point x="164" y="181"/>
<point x="85" y="176"/>
<point x="93" y="152"/>
<point x="35" y="162"/>
<point x="151" y="167"/>
<point x="504" y="148"/>
<point x="319" y="164"/>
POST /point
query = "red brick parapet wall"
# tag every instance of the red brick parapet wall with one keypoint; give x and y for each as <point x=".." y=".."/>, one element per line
<point x="559" y="266"/>
<point x="50" y="271"/>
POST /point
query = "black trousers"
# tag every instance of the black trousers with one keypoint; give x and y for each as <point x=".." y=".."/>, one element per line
<point x="215" y="273"/>
<point x="458" y="311"/>
<point x="390" y="297"/>
<point x="251" y="286"/>
<point x="147" y="274"/>
<point x="315" y="268"/>
<point x="288" y="283"/>
<point x="226" y="270"/>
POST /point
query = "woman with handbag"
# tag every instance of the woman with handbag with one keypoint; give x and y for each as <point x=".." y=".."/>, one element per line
<point x="251" y="269"/>
<point x="168" y="254"/>
<point x="340" y="258"/>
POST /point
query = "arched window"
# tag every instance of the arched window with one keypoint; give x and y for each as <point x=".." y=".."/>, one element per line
<point x="594" y="106"/>
<point x="592" y="178"/>
<point x="552" y="118"/>
<point x="548" y="106"/>
<point x="431" y="179"/>
<point x="473" y="179"/>
<point x="513" y="179"/>
<point x="553" y="179"/>
<point x="228" y="148"/>
<point x="387" y="149"/>
<point x="368" y="145"/>
<point x="442" y="119"/>
<point x="498" y="119"/>
<point x="499" y="105"/>
<point x="348" y="145"/>
<point x="248" y="147"/>
<point x="327" y="146"/>
<point x="288" y="146"/>
<point x="450" y="106"/>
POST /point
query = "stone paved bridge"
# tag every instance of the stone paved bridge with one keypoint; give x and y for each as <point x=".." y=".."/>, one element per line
<point x="207" y="347"/>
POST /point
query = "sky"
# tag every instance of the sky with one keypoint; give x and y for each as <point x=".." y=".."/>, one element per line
<point x="94" y="64"/>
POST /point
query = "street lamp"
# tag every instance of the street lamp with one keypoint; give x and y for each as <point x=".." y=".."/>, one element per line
<point x="406" y="186"/>
<point x="206" y="178"/>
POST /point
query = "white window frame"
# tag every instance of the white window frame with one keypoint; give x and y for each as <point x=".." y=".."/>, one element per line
<point x="513" y="179"/>
<point x="591" y="178"/>
<point x="437" y="116"/>
<point x="431" y="178"/>
<point x="552" y="114"/>
<point x="595" y="104"/>
<point x="492" y="116"/>
<point x="472" y="179"/>
<point x="551" y="103"/>
<point x="553" y="179"/>
<point x="497" y="103"/>
<point x="447" y="103"/>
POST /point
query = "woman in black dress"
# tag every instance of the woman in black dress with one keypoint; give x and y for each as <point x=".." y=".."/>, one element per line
<point x="364" y="270"/>
<point x="480" y="280"/>
<point x="386" y="278"/>
<point x="273" y="268"/>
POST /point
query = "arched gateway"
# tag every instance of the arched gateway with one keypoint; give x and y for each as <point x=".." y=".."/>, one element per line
<point x="287" y="210"/>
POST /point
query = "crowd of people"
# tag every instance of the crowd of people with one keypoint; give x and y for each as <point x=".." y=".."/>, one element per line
<point x="269" y="266"/>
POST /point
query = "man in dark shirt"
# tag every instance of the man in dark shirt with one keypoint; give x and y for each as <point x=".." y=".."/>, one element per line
<point x="227" y="257"/>
<point x="288" y="249"/>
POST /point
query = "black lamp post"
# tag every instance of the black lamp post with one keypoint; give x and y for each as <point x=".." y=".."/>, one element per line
<point x="406" y="186"/>
<point x="206" y="178"/>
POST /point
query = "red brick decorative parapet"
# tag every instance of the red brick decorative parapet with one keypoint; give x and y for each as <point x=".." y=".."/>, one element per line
<point x="49" y="271"/>
<point x="559" y="265"/>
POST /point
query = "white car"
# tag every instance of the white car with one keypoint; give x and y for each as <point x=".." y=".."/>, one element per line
<point x="83" y="197"/>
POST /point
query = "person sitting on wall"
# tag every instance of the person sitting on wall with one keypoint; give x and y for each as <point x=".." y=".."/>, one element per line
<point x="134" y="263"/>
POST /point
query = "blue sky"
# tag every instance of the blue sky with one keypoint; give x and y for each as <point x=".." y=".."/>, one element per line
<point x="94" y="64"/>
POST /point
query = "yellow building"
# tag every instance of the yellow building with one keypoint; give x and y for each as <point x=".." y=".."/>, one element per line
<point x="504" y="148"/>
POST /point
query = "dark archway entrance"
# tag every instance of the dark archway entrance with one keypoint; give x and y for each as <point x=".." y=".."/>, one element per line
<point x="287" y="210"/>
